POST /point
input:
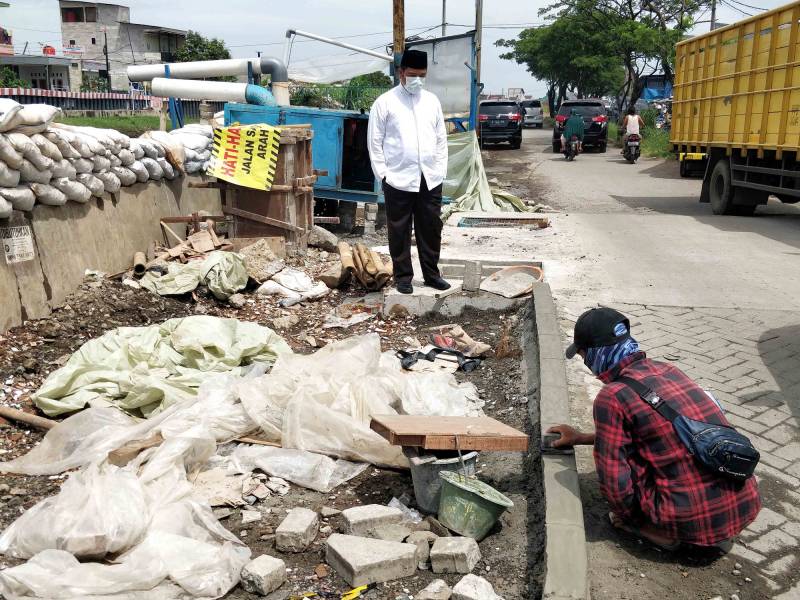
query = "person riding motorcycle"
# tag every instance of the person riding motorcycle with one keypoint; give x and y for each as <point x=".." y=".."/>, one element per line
<point x="632" y="124"/>
<point x="573" y="126"/>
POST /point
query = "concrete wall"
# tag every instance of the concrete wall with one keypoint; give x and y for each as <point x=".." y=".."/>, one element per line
<point x="102" y="235"/>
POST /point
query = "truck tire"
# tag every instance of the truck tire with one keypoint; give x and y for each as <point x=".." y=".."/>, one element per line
<point x="684" y="168"/>
<point x="720" y="189"/>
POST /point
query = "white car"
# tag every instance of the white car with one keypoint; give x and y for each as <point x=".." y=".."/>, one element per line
<point x="533" y="113"/>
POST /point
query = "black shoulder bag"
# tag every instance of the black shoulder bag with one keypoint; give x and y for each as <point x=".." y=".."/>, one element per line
<point x="719" y="448"/>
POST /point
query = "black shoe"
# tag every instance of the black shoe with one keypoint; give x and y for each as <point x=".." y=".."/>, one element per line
<point x="404" y="288"/>
<point x="438" y="283"/>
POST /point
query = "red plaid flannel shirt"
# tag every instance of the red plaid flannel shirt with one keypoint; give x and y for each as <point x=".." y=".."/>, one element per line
<point x="647" y="474"/>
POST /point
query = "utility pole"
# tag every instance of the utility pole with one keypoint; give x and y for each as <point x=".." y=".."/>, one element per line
<point x="444" y="18"/>
<point x="713" y="14"/>
<point x="108" y="66"/>
<point x="399" y="30"/>
<point x="478" y="37"/>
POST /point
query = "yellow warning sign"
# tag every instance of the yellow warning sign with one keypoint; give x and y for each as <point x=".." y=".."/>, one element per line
<point x="245" y="155"/>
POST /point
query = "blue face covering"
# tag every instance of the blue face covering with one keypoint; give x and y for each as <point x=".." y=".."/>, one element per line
<point x="599" y="360"/>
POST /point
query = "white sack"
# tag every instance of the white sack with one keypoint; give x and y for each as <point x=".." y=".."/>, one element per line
<point x="154" y="170"/>
<point x="47" y="194"/>
<point x="46" y="147"/>
<point x="8" y="154"/>
<point x="64" y="168"/>
<point x="22" y="143"/>
<point x="8" y="113"/>
<point x="36" y="115"/>
<point x="93" y="183"/>
<point x="30" y="173"/>
<point x="115" y="161"/>
<point x="5" y="208"/>
<point x="192" y="167"/>
<point x="148" y="147"/>
<point x="141" y="172"/>
<point x="195" y="128"/>
<point x="82" y="165"/>
<point x="101" y="164"/>
<point x="62" y="142"/>
<point x="73" y="190"/>
<point x="126" y="157"/>
<point x="126" y="176"/>
<point x="111" y="182"/>
<point x="9" y="178"/>
<point x="20" y="197"/>
<point x="192" y="141"/>
<point x="167" y="168"/>
<point x="137" y="149"/>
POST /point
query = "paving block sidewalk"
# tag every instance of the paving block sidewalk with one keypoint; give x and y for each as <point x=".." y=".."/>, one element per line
<point x="750" y="360"/>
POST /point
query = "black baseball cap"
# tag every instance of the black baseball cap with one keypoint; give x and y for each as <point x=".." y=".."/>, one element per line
<point x="595" y="329"/>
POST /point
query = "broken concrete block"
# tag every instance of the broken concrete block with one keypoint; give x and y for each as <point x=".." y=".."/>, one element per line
<point x="263" y="575"/>
<point x="472" y="587"/>
<point x="390" y="533"/>
<point x="321" y="238"/>
<point x="454" y="555"/>
<point x="297" y="530"/>
<point x="334" y="276"/>
<point x="327" y="512"/>
<point x="360" y="519"/>
<point x="422" y="540"/>
<point x="436" y="590"/>
<point x="250" y="516"/>
<point x="436" y="527"/>
<point x="361" y="561"/>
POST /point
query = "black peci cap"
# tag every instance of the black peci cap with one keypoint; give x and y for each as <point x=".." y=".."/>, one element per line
<point x="414" y="59"/>
<point x="595" y="329"/>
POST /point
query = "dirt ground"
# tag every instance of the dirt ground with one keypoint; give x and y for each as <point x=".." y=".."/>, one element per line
<point x="512" y="553"/>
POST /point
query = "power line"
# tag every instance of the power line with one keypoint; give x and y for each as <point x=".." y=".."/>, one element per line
<point x="736" y="8"/>
<point x="341" y="37"/>
<point x="748" y="5"/>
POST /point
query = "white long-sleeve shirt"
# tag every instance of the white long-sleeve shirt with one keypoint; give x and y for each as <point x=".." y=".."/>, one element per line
<point x="407" y="136"/>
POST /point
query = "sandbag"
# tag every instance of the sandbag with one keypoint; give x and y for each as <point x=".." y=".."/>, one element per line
<point x="154" y="170"/>
<point x="173" y="148"/>
<point x="31" y="174"/>
<point x="115" y="161"/>
<point x="169" y="170"/>
<point x="81" y="147"/>
<point x="111" y="182"/>
<point x="148" y="147"/>
<point x="126" y="157"/>
<point x="24" y="144"/>
<point x="93" y="183"/>
<point x="96" y="147"/>
<point x="46" y="147"/>
<point x="193" y="166"/>
<point x="73" y="190"/>
<point x="141" y="172"/>
<point x="8" y="154"/>
<point x="8" y="113"/>
<point x="82" y="165"/>
<point x="137" y="149"/>
<point x="126" y="176"/>
<point x="101" y="164"/>
<point x="62" y="143"/>
<point x="20" y="197"/>
<point x="8" y="177"/>
<point x="47" y="194"/>
<point x="194" y="141"/>
<point x="195" y="128"/>
<point x="5" y="208"/>
<point x="36" y="115"/>
<point x="64" y="168"/>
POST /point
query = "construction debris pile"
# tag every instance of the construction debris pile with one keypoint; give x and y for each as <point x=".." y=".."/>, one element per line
<point x="45" y="162"/>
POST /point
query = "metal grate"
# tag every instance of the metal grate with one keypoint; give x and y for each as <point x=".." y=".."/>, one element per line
<point x="527" y="222"/>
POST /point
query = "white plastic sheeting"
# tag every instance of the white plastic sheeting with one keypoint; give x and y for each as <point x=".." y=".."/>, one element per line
<point x="448" y="77"/>
<point x="335" y="68"/>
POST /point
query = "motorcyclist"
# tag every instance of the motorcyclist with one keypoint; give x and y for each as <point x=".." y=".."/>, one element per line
<point x="573" y="126"/>
<point x="632" y="124"/>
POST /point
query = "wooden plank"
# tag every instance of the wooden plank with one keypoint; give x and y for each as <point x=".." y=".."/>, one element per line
<point x="449" y="433"/>
<point x="201" y="241"/>
<point x="229" y="210"/>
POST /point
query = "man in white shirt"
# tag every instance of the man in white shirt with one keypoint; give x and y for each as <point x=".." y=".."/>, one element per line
<point x="408" y="150"/>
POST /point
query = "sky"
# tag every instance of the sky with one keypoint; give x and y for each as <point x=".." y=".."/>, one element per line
<point x="248" y="26"/>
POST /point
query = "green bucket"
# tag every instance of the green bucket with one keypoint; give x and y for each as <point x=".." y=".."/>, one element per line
<point x="468" y="506"/>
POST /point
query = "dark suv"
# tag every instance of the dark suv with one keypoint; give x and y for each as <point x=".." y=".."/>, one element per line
<point x="500" y="121"/>
<point x="595" y="122"/>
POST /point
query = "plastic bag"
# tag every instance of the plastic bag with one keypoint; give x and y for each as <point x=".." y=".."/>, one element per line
<point x="154" y="170"/>
<point x="47" y="194"/>
<point x="291" y="283"/>
<point x="20" y="197"/>
<point x="64" y="168"/>
<point x="5" y="208"/>
<point x="101" y="164"/>
<point x="224" y="273"/>
<point x="9" y="178"/>
<point x="111" y="182"/>
<point x="82" y="165"/>
<point x="8" y="154"/>
<point x="46" y="147"/>
<point x="8" y="113"/>
<point x="73" y="190"/>
<point x="93" y="183"/>
<point x="126" y="176"/>
<point x="96" y="512"/>
<point x="141" y="172"/>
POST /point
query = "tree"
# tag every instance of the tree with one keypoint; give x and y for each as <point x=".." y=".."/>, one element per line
<point x="197" y="47"/>
<point x="376" y="79"/>
<point x="10" y="79"/>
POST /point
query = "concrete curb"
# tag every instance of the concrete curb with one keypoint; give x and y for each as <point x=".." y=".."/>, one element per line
<point x="566" y="559"/>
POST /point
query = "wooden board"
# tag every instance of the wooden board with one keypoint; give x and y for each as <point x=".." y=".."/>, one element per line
<point x="440" y="433"/>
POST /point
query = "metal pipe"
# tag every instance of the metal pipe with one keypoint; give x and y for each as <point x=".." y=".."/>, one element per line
<point x="195" y="70"/>
<point x="320" y="38"/>
<point x="220" y="91"/>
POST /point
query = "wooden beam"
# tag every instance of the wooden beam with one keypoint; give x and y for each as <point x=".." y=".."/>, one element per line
<point x="399" y="29"/>
<point x="449" y="433"/>
<point x="229" y="210"/>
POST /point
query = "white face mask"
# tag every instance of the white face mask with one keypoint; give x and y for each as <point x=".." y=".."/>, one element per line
<point x="414" y="84"/>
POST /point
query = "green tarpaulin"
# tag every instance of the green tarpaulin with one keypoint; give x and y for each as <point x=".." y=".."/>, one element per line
<point x="225" y="273"/>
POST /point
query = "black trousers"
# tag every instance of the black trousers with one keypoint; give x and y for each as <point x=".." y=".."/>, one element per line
<point x="423" y="209"/>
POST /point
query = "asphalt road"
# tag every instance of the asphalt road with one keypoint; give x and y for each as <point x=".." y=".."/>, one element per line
<point x="717" y="295"/>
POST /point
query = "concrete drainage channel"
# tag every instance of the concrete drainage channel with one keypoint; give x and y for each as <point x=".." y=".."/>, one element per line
<point x="546" y="523"/>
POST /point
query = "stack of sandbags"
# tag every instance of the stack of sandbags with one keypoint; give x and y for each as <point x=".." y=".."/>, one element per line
<point x="196" y="140"/>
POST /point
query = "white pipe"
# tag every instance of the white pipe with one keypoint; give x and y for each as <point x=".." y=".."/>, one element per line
<point x="320" y="38"/>
<point x="220" y="91"/>
<point x="195" y="70"/>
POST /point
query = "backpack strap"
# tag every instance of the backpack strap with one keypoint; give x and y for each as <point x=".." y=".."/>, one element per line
<point x="651" y="398"/>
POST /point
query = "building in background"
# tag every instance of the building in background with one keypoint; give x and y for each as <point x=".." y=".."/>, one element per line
<point x="41" y="72"/>
<point x="85" y="27"/>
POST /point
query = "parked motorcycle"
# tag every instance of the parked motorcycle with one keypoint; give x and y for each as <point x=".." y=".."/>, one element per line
<point x="632" y="148"/>
<point x="571" y="148"/>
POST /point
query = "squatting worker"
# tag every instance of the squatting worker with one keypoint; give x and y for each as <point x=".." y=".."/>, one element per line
<point x="654" y="486"/>
<point x="408" y="150"/>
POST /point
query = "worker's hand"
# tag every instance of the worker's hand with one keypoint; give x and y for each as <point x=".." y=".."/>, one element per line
<point x="569" y="436"/>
